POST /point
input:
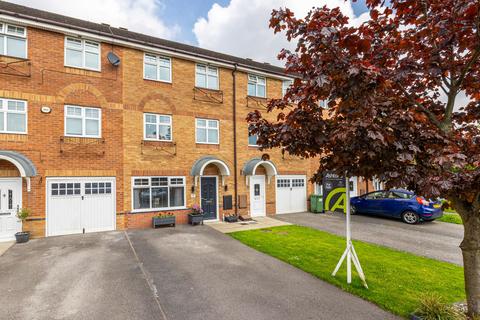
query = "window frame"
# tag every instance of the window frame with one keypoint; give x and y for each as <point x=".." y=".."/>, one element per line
<point x="207" y="128"/>
<point x="256" y="85"/>
<point x="5" y="111"/>
<point x="84" y="50"/>
<point x="157" y="58"/>
<point x="83" y="118"/>
<point x="4" y="32"/>
<point x="149" y="186"/>
<point x="207" y="67"/>
<point x="285" y="88"/>
<point x="252" y="145"/>
<point x="157" y="115"/>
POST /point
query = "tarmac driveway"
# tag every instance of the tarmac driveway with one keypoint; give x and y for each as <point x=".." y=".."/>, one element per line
<point x="437" y="240"/>
<point x="184" y="273"/>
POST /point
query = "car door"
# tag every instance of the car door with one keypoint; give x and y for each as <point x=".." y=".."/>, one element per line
<point x="395" y="203"/>
<point x="372" y="203"/>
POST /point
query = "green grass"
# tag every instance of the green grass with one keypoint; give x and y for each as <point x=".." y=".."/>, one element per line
<point x="397" y="280"/>
<point x="451" y="217"/>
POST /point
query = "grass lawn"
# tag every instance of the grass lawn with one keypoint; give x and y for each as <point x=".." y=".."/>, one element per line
<point x="451" y="217"/>
<point x="396" y="280"/>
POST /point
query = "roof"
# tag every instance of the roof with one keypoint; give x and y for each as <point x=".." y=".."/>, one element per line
<point x="24" y="12"/>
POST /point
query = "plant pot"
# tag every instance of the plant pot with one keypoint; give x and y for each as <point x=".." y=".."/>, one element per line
<point x="164" y="221"/>
<point x="22" y="237"/>
<point x="194" y="219"/>
<point x="231" y="219"/>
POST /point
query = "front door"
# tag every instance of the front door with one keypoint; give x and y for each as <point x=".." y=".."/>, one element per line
<point x="10" y="203"/>
<point x="209" y="197"/>
<point x="257" y="196"/>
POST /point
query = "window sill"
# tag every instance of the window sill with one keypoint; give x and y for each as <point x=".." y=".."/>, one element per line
<point x="257" y="97"/>
<point x="152" y="142"/>
<point x="19" y="59"/>
<point x="14" y="133"/>
<point x="84" y="69"/>
<point x="136" y="211"/>
<point x="158" y="81"/>
<point x="208" y="89"/>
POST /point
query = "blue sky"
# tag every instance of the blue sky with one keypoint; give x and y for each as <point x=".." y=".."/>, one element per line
<point x="186" y="12"/>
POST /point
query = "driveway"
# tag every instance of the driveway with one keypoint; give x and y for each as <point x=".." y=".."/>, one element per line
<point x="437" y="240"/>
<point x="184" y="273"/>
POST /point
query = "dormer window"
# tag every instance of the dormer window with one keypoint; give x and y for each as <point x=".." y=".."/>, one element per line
<point x="13" y="41"/>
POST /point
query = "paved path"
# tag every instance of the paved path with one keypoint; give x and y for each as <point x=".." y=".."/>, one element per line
<point x="437" y="240"/>
<point x="184" y="273"/>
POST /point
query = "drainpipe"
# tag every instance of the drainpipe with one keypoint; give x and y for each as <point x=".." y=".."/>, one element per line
<point x="234" y="95"/>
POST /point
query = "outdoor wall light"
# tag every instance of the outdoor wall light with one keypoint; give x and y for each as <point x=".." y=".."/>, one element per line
<point x="193" y="189"/>
<point x="225" y="188"/>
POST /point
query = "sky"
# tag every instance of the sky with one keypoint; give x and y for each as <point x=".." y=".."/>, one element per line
<point x="237" y="27"/>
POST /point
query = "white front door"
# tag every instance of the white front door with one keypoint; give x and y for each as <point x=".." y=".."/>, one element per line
<point x="353" y="186"/>
<point x="291" y="194"/>
<point x="10" y="203"/>
<point x="257" y="196"/>
<point x="80" y="205"/>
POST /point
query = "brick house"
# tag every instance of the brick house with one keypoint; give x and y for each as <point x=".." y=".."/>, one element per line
<point x="102" y="128"/>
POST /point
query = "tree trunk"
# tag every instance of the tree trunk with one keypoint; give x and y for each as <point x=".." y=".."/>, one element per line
<point x="471" y="255"/>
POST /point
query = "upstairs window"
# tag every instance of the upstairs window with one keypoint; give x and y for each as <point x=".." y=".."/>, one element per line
<point x="157" y="68"/>
<point x="13" y="116"/>
<point x="252" y="140"/>
<point x="157" y="127"/>
<point x="83" y="122"/>
<point x="257" y="86"/>
<point x="285" y="85"/>
<point x="13" y="41"/>
<point x="207" y="131"/>
<point x="206" y="77"/>
<point x="84" y="54"/>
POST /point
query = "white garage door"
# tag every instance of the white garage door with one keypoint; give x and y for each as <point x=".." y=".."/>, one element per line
<point x="80" y="205"/>
<point x="291" y="194"/>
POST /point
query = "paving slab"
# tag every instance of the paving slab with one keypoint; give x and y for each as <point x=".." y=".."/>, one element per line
<point x="255" y="223"/>
<point x="4" y="246"/>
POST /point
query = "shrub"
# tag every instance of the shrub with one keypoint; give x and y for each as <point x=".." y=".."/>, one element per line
<point x="432" y="307"/>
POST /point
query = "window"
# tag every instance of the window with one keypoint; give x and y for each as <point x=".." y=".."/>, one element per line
<point x="283" y="183"/>
<point x="98" y="188"/>
<point x="65" y="189"/>
<point x="81" y="53"/>
<point x="13" y="116"/>
<point x="257" y="86"/>
<point x="160" y="193"/>
<point x="83" y="122"/>
<point x="157" y="68"/>
<point x="157" y="127"/>
<point x="296" y="183"/>
<point x="323" y="104"/>
<point x="13" y="41"/>
<point x="285" y="85"/>
<point x="206" y="77"/>
<point x="252" y="140"/>
<point x="399" y="195"/>
<point x="375" y="195"/>
<point x="207" y="131"/>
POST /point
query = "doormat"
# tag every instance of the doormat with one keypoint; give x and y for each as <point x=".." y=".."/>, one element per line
<point x="251" y="221"/>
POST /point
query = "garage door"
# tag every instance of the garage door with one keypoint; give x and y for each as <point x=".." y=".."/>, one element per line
<point x="291" y="194"/>
<point x="80" y="205"/>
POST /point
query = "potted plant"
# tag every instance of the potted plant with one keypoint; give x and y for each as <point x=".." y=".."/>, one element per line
<point x="163" y="219"/>
<point x="231" y="217"/>
<point x="22" y="236"/>
<point x="196" y="216"/>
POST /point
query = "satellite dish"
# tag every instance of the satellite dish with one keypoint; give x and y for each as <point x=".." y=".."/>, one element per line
<point x="113" y="59"/>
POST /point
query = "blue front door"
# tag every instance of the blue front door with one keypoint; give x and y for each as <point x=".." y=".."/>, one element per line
<point x="209" y="197"/>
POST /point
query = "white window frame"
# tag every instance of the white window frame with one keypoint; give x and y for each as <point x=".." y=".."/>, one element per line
<point x="255" y="81"/>
<point x="184" y="185"/>
<point x="5" y="111"/>
<point x="157" y="65"/>
<point x="252" y="145"/>
<point x="206" y="74"/>
<point x="285" y="85"/>
<point x="83" y="50"/>
<point x="207" y="127"/>
<point x="4" y="32"/>
<point x="158" y="124"/>
<point x="83" y="118"/>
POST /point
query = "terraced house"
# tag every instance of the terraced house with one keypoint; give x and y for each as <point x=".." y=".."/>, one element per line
<point x="102" y="128"/>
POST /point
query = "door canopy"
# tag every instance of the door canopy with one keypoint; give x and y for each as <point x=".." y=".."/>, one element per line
<point x="24" y="165"/>
<point x="251" y="166"/>
<point x="200" y="165"/>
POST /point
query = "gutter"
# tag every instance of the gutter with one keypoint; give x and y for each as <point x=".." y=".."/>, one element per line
<point x="235" y="165"/>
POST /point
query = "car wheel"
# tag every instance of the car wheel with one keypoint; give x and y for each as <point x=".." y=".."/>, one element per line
<point x="353" y="210"/>
<point x="410" y="217"/>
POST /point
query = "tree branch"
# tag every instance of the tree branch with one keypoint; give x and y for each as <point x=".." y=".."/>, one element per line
<point x="429" y="113"/>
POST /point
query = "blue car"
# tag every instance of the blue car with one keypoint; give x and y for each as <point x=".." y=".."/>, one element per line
<point x="397" y="203"/>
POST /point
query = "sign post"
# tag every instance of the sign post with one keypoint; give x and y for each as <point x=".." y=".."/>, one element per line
<point x="349" y="252"/>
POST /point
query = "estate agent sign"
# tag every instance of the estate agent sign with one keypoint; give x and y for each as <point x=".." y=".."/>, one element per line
<point x="334" y="190"/>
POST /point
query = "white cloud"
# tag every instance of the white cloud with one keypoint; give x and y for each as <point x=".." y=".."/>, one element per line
<point x="135" y="15"/>
<point x="241" y="28"/>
